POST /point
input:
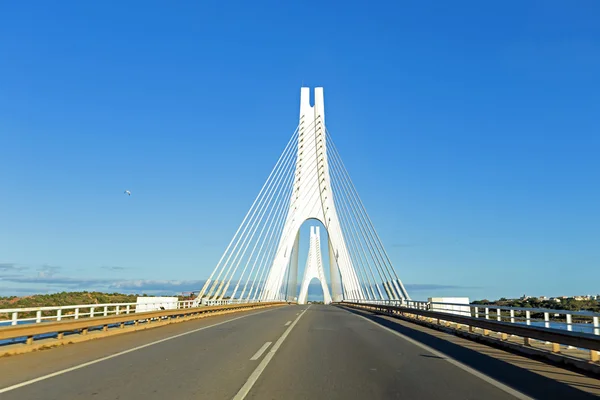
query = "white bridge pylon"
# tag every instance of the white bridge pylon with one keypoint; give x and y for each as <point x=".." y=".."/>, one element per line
<point x="314" y="268"/>
<point x="312" y="199"/>
<point x="309" y="181"/>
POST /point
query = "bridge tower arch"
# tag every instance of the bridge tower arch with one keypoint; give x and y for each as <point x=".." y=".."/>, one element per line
<point x="314" y="268"/>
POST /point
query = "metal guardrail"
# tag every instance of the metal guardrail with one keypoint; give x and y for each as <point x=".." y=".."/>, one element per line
<point x="582" y="340"/>
<point x="17" y="316"/>
<point x="82" y="326"/>
<point x="548" y="318"/>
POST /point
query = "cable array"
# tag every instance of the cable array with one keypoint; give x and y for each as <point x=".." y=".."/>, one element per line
<point x="241" y="273"/>
<point x="371" y="261"/>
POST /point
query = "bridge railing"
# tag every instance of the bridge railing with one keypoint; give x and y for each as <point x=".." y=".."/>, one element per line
<point x="59" y="330"/>
<point x="575" y="329"/>
<point x="29" y="315"/>
<point x="576" y="321"/>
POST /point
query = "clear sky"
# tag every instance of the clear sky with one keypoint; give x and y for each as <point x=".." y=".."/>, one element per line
<point x="471" y="130"/>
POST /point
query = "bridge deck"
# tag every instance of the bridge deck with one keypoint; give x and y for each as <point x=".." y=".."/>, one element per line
<point x="328" y="352"/>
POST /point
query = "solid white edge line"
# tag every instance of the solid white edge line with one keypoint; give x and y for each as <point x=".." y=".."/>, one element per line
<point x="243" y="392"/>
<point x="260" y="351"/>
<point x="287" y="323"/>
<point x="454" y="362"/>
<point x="76" y="367"/>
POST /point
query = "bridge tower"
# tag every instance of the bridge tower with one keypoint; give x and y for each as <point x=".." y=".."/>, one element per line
<point x="309" y="181"/>
<point x="312" y="198"/>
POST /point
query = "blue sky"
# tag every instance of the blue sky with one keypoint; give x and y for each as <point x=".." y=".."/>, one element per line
<point x="471" y="130"/>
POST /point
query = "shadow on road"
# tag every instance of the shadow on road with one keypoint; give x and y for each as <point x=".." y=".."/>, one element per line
<point x="522" y="379"/>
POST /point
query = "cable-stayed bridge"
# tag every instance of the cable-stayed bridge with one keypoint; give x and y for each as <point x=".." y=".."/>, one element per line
<point x="309" y="182"/>
<point x="249" y="334"/>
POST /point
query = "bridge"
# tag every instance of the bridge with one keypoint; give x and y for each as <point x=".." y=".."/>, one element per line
<point x="252" y="333"/>
<point x="309" y="182"/>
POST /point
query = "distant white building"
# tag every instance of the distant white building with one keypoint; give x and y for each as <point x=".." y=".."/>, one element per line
<point x="588" y="297"/>
<point x="451" y="305"/>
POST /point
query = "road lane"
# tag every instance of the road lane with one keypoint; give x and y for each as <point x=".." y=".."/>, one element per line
<point x="28" y="366"/>
<point x="243" y="392"/>
<point x="283" y="353"/>
<point x="533" y="377"/>
<point x="333" y="353"/>
<point x="211" y="363"/>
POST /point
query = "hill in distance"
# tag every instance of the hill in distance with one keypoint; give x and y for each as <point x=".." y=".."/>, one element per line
<point x="66" y="299"/>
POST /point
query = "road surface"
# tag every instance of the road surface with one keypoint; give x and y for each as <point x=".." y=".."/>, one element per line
<point x="290" y="352"/>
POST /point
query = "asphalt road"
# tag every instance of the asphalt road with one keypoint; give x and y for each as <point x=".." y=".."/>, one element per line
<point x="291" y="352"/>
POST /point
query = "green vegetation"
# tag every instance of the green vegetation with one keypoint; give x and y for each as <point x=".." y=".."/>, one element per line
<point x="66" y="299"/>
<point x="569" y="304"/>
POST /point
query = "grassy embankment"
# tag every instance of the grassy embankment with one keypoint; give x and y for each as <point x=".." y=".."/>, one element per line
<point x="62" y="299"/>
